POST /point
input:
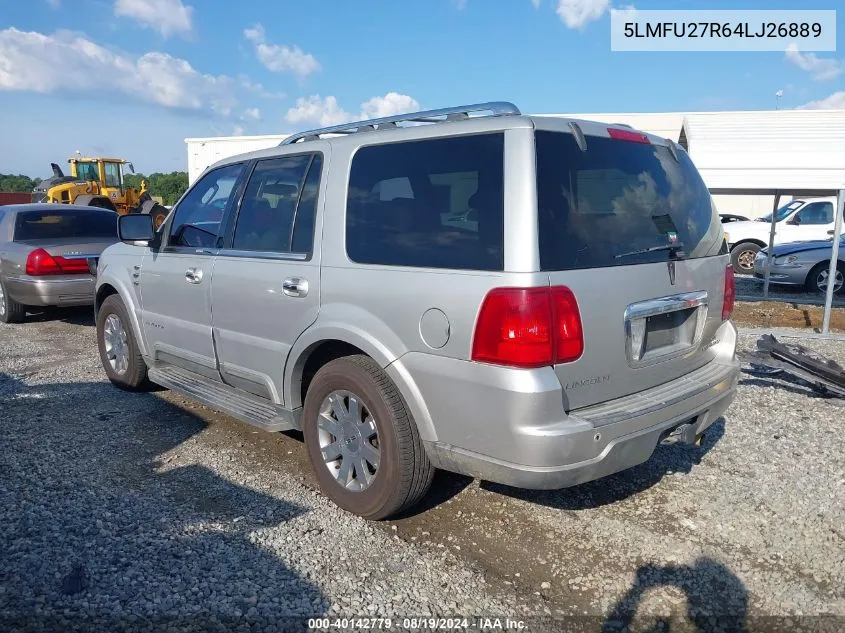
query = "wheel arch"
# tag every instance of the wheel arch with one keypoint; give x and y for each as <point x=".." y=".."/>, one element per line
<point x="111" y="287"/>
<point x="311" y="353"/>
<point x="749" y="240"/>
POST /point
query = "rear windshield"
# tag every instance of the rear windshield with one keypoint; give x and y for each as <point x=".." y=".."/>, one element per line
<point x="49" y="224"/>
<point x="619" y="203"/>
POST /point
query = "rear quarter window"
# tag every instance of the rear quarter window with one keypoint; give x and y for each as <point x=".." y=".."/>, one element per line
<point x="62" y="223"/>
<point x="619" y="203"/>
<point x="435" y="203"/>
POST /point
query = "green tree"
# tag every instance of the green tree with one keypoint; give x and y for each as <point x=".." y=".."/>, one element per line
<point x="19" y="183"/>
<point x="169" y="186"/>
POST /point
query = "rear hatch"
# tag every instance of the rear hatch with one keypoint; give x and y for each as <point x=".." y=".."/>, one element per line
<point x="629" y="226"/>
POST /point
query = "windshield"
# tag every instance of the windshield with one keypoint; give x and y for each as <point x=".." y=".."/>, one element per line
<point x="39" y="225"/>
<point x="783" y="212"/>
<point x="619" y="203"/>
<point x="87" y="171"/>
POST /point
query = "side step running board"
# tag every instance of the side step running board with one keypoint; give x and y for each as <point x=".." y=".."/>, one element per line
<point x="243" y="406"/>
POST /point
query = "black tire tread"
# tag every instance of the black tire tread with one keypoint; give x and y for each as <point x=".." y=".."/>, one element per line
<point x="415" y="470"/>
<point x="15" y="312"/>
<point x="136" y="375"/>
<point x="810" y="283"/>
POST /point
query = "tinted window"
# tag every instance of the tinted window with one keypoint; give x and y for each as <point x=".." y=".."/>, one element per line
<point x="619" y="203"/>
<point x="278" y="190"/>
<point x="203" y="206"/>
<point x="39" y="225"/>
<point x="303" y="227"/>
<point x="815" y="213"/>
<point x="112" y="175"/>
<point x="434" y="203"/>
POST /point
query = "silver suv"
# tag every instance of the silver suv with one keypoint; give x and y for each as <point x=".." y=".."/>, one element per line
<point x="533" y="301"/>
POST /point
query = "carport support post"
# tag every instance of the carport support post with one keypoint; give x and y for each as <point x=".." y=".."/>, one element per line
<point x="771" y="244"/>
<point x="834" y="260"/>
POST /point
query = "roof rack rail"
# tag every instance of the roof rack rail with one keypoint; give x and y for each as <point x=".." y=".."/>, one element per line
<point x="494" y="108"/>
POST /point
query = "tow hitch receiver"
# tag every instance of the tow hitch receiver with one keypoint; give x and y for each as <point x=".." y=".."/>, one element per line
<point x="683" y="434"/>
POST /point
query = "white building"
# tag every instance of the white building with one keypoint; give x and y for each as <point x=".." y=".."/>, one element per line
<point x="772" y="149"/>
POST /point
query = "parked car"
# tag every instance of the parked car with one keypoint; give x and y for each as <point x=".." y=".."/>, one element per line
<point x="577" y="318"/>
<point x="803" y="264"/>
<point x="732" y="217"/>
<point x="44" y="255"/>
<point x="797" y="221"/>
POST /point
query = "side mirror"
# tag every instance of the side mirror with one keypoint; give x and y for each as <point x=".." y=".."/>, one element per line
<point x="135" y="227"/>
<point x="131" y="167"/>
<point x="794" y="220"/>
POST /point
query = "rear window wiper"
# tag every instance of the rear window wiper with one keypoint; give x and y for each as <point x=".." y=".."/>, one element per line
<point x="672" y="248"/>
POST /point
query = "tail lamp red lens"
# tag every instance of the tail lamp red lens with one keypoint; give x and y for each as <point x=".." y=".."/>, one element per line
<point x="39" y="263"/>
<point x="528" y="327"/>
<point x="730" y="294"/>
<point x="628" y="135"/>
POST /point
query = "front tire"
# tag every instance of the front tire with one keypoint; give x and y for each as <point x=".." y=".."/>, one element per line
<point x="363" y="445"/>
<point x="10" y="310"/>
<point x="119" y="351"/>
<point x="818" y="278"/>
<point x="743" y="256"/>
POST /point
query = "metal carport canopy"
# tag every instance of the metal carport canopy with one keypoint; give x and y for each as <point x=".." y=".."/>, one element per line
<point x="838" y="190"/>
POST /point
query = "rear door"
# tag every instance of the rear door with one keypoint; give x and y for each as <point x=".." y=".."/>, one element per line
<point x="629" y="226"/>
<point x="266" y="286"/>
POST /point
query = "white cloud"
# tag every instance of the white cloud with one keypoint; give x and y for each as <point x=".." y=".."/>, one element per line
<point x="280" y="58"/>
<point x="168" y="17"/>
<point x="258" y="88"/>
<point x="577" y="13"/>
<point x="536" y="3"/>
<point x="836" y="101"/>
<point x="326" y="112"/>
<point x="322" y="112"/>
<point x="55" y="4"/>
<point x="252" y="113"/>
<point x="238" y="131"/>
<point x="67" y="62"/>
<point x="819" y="69"/>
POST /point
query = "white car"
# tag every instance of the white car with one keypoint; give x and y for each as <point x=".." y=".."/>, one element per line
<point x="798" y="221"/>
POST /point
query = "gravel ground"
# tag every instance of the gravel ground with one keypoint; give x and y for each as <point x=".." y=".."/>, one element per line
<point x="142" y="511"/>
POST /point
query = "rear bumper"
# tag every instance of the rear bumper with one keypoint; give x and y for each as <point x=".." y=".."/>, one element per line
<point x="522" y="436"/>
<point x="68" y="290"/>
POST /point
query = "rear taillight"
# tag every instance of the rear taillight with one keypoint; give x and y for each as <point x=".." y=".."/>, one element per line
<point x="628" y="135"/>
<point x="528" y="327"/>
<point x="730" y="294"/>
<point x="39" y="262"/>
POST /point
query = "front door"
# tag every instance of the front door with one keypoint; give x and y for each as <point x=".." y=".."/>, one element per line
<point x="814" y="220"/>
<point x="175" y="280"/>
<point x="266" y="289"/>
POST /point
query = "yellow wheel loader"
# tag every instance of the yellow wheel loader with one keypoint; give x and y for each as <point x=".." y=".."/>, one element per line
<point x="98" y="182"/>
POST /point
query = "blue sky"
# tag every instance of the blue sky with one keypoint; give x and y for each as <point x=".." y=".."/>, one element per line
<point x="134" y="78"/>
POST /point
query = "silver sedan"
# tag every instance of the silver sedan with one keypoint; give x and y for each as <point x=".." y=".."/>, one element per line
<point x="48" y="255"/>
<point x="803" y="264"/>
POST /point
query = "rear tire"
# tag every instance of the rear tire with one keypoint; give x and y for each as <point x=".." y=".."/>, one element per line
<point x="119" y="351"/>
<point x="403" y="474"/>
<point x="154" y="209"/>
<point x="100" y="202"/>
<point x="10" y="310"/>
<point x="817" y="279"/>
<point x="742" y="257"/>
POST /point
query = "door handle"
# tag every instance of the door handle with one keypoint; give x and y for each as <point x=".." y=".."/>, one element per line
<point x="295" y="287"/>
<point x="193" y="275"/>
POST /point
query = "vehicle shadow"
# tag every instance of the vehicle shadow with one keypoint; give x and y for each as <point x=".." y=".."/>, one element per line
<point x="103" y="530"/>
<point x="613" y="488"/>
<point x="81" y="315"/>
<point x="716" y="600"/>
